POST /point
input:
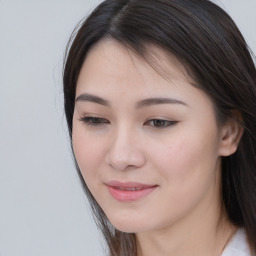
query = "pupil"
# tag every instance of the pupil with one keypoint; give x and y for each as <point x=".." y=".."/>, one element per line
<point x="95" y="120"/>
<point x="158" y="123"/>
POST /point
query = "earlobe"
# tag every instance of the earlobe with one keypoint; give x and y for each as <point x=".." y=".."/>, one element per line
<point x="231" y="134"/>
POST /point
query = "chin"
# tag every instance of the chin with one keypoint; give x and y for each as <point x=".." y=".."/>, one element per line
<point x="128" y="225"/>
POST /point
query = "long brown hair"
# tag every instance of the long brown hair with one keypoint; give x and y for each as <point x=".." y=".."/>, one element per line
<point x="207" y="42"/>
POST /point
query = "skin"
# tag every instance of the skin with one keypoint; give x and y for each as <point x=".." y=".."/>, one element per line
<point x="182" y="157"/>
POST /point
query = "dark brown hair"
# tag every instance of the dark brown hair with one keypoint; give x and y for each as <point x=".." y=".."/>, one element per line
<point x="209" y="45"/>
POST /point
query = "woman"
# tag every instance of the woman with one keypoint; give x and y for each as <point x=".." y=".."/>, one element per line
<point x="160" y="103"/>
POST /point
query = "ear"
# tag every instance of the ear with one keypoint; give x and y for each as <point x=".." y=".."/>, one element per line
<point x="231" y="133"/>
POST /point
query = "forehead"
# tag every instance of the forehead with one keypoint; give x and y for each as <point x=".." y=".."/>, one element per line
<point x="113" y="62"/>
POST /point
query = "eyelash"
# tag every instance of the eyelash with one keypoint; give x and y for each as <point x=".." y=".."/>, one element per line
<point x="94" y="121"/>
<point x="160" y="123"/>
<point x="155" y="123"/>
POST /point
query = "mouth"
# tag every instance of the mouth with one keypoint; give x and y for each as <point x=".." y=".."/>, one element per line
<point x="129" y="191"/>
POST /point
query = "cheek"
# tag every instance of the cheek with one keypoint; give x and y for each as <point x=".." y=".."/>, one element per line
<point x="88" y="153"/>
<point x="188" y="173"/>
<point x="186" y="161"/>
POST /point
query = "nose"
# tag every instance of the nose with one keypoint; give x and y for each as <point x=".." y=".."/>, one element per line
<point x="124" y="151"/>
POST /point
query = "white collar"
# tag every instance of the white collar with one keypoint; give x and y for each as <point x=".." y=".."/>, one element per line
<point x="238" y="245"/>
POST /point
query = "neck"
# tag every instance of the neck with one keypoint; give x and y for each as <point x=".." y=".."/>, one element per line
<point x="194" y="241"/>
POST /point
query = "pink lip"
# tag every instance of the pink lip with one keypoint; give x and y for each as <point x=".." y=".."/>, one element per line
<point x="129" y="191"/>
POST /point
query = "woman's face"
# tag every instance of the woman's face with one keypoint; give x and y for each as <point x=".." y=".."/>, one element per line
<point x="146" y="142"/>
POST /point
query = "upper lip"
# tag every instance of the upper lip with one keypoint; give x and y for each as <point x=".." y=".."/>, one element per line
<point x="128" y="185"/>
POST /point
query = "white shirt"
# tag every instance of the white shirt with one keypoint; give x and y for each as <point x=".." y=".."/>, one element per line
<point x="238" y="246"/>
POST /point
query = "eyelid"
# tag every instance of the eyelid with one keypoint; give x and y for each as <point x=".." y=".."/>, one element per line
<point x="160" y="123"/>
<point x="94" y="120"/>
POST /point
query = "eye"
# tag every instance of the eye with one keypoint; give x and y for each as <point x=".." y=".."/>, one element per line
<point x="94" y="121"/>
<point x="160" y="123"/>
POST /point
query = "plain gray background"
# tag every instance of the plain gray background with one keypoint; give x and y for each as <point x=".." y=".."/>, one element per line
<point x="43" y="211"/>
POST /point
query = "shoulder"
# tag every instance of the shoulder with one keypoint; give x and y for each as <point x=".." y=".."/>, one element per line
<point x="238" y="246"/>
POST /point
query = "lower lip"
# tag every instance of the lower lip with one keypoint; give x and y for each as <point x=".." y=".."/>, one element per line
<point x="128" y="195"/>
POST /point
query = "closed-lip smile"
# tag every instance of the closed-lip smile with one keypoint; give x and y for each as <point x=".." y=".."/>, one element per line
<point x="129" y="191"/>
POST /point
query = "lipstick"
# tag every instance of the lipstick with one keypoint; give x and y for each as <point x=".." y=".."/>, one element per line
<point x="129" y="191"/>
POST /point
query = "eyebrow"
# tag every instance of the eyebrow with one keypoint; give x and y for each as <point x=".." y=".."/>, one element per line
<point x="141" y="104"/>
<point x="92" y="98"/>
<point x="158" y="101"/>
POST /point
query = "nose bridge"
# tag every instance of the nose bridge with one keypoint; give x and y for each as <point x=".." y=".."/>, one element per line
<point x="124" y="150"/>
